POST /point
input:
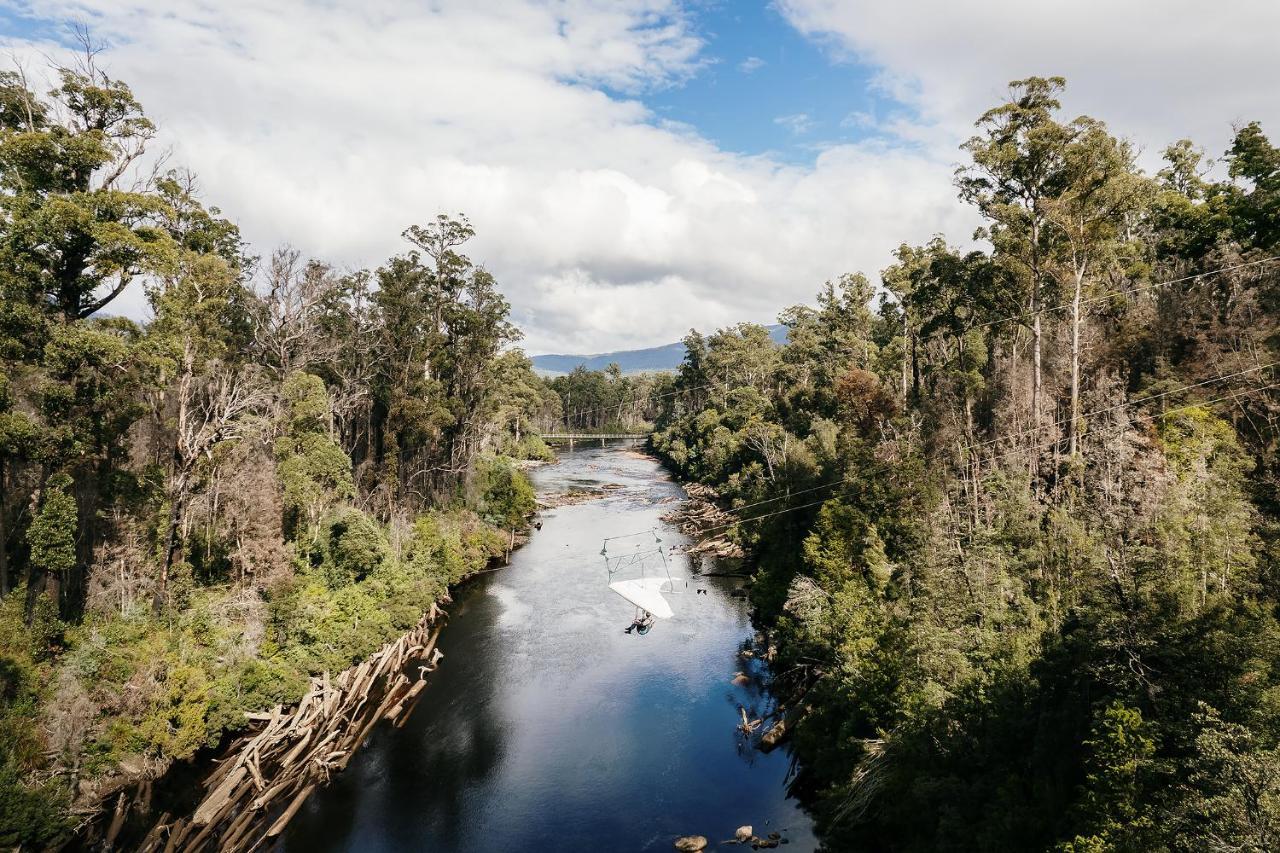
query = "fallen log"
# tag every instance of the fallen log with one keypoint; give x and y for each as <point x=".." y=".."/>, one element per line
<point x="287" y="815"/>
<point x="151" y="841"/>
<point x="399" y="707"/>
<point x="213" y="803"/>
<point x="117" y="821"/>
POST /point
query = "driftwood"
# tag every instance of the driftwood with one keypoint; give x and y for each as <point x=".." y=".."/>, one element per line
<point x="748" y="726"/>
<point x="268" y="775"/>
<point x="577" y="496"/>
<point x="703" y="520"/>
<point x="781" y="730"/>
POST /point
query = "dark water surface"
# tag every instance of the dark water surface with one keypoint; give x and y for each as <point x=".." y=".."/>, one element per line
<point x="547" y="728"/>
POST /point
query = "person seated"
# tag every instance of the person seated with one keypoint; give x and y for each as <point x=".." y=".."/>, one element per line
<point x="641" y="625"/>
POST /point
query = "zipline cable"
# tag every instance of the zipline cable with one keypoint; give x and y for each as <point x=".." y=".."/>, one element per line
<point x="1233" y="396"/>
<point x="1058" y="423"/>
<point x="1023" y="315"/>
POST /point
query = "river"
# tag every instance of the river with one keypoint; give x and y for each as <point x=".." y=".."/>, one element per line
<point x="547" y="728"/>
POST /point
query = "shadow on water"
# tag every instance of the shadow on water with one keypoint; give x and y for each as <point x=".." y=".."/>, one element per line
<point x="547" y="728"/>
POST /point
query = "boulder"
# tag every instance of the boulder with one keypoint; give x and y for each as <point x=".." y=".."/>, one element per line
<point x="691" y="843"/>
<point x="743" y="834"/>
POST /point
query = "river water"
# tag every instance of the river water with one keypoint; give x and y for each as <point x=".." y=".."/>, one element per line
<point x="547" y="728"/>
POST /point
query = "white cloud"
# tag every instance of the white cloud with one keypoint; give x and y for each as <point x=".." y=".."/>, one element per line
<point x="334" y="125"/>
<point x="1154" y="70"/>
<point x="751" y="63"/>
<point x="798" y="123"/>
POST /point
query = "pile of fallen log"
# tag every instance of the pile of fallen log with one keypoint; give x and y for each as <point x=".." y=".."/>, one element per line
<point x="701" y="515"/>
<point x="267" y="775"/>
<point x="556" y="500"/>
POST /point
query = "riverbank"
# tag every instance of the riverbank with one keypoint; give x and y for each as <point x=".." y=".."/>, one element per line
<point x="366" y="593"/>
<point x="263" y="779"/>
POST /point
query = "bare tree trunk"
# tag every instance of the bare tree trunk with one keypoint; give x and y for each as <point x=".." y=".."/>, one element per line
<point x="4" y="531"/>
<point x="1035" y="327"/>
<point x="177" y="493"/>
<point x="1073" y="420"/>
<point x="177" y="503"/>
<point x="906" y="341"/>
<point x="1035" y="361"/>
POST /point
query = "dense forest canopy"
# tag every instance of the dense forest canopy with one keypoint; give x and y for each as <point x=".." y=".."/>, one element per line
<point x="278" y="472"/>
<point x="1018" y="515"/>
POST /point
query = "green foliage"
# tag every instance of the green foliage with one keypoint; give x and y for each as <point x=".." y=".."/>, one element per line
<point x="1119" y="751"/>
<point x="1207" y="523"/>
<point x="354" y="547"/>
<point x="1257" y="211"/>
<point x="21" y="683"/>
<point x="314" y="471"/>
<point x="317" y="624"/>
<point x="52" y="534"/>
<point x="32" y="814"/>
<point x="530" y="447"/>
<point x="1233" y="790"/>
<point x="455" y="544"/>
<point x="604" y="401"/>
<point x="506" y="497"/>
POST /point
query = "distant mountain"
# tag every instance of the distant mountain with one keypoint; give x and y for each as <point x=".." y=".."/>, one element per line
<point x="665" y="357"/>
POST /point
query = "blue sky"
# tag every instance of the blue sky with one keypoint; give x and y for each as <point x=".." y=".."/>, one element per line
<point x="15" y="25"/>
<point x="763" y="88"/>
<point x="768" y="89"/>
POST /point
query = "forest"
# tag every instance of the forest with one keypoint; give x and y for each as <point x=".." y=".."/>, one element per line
<point x="1016" y="519"/>
<point x="273" y="476"/>
<point x="605" y="401"/>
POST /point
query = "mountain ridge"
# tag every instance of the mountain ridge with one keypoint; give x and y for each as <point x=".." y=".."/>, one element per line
<point x="662" y="357"/>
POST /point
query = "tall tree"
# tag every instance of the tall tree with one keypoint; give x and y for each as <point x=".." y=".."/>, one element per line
<point x="1016" y="171"/>
<point x="1095" y="212"/>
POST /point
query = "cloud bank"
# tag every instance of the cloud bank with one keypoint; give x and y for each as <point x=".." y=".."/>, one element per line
<point x="333" y="125"/>
<point x="1155" y="70"/>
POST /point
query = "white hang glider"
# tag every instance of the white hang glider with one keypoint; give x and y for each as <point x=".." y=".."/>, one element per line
<point x="646" y="594"/>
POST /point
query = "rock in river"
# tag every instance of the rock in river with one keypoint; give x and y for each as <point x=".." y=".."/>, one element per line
<point x="691" y="843"/>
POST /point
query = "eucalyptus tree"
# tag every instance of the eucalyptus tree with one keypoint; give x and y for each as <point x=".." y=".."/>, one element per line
<point x="1017" y="171"/>
<point x="824" y="343"/>
<point x="1100" y="196"/>
<point x="440" y="321"/>
<point x="72" y="238"/>
<point x="691" y="375"/>
<point x="201" y="335"/>
<point x="1254" y="159"/>
<point x="290" y="325"/>
<point x="899" y="279"/>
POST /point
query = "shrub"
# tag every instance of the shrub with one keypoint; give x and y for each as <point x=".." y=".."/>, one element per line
<point x="506" y="495"/>
<point x="355" y="547"/>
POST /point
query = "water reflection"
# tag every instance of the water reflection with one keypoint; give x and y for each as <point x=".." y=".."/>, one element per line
<point x="547" y="728"/>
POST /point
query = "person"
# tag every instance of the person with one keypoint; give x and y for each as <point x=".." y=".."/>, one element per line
<point x="643" y="622"/>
